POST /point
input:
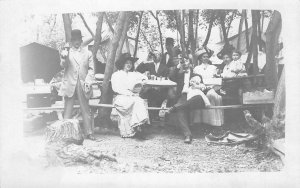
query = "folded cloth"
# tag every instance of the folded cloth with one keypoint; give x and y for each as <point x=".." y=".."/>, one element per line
<point x="230" y="138"/>
<point x="68" y="131"/>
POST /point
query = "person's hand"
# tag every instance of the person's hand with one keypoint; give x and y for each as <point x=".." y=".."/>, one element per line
<point x="64" y="53"/>
<point x="87" y="87"/>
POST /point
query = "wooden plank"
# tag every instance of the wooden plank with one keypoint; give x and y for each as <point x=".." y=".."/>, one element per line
<point x="94" y="104"/>
<point x="243" y="77"/>
<point x="52" y="108"/>
<point x="210" y="107"/>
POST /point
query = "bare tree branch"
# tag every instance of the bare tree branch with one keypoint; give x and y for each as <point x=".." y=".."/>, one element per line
<point x="229" y="25"/>
<point x="54" y="23"/>
<point x="98" y="38"/>
<point x="103" y="54"/>
<point x="67" y="26"/>
<point x="109" y="23"/>
<point x="147" y="40"/>
<point x="86" y="25"/>
<point x="153" y="15"/>
<point x="138" y="34"/>
<point x="111" y="27"/>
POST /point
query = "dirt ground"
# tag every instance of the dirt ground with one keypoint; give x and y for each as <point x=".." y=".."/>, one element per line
<point x="165" y="152"/>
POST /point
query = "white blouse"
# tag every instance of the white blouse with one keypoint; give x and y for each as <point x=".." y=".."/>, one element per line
<point x="233" y="69"/>
<point x="205" y="70"/>
<point x="123" y="83"/>
<point x="228" y="70"/>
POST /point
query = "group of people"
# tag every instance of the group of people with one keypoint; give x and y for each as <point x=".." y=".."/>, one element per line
<point x="190" y="95"/>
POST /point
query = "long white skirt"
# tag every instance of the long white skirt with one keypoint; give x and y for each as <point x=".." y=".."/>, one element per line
<point x="132" y="112"/>
<point x="214" y="117"/>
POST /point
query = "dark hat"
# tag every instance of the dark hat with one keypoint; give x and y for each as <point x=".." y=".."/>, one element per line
<point x="123" y="58"/>
<point x="169" y="40"/>
<point x="227" y="50"/>
<point x="204" y="50"/>
<point x="127" y="56"/>
<point x="76" y="34"/>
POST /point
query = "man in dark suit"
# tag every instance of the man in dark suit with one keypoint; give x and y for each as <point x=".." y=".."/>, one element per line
<point x="155" y="68"/>
<point x="155" y="96"/>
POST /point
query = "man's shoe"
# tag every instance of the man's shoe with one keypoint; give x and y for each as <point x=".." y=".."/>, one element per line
<point x="172" y="109"/>
<point x="91" y="137"/>
<point x="188" y="139"/>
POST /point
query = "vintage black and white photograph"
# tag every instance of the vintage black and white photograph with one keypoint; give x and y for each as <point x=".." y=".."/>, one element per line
<point x="197" y="90"/>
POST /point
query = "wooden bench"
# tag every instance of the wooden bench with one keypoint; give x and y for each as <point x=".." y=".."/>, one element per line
<point x="210" y="107"/>
<point x="94" y="104"/>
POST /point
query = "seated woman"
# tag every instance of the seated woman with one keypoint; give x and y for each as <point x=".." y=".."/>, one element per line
<point x="230" y="70"/>
<point x="233" y="65"/>
<point x="239" y="67"/>
<point x="214" y="117"/>
<point x="193" y="98"/>
<point x="130" y="107"/>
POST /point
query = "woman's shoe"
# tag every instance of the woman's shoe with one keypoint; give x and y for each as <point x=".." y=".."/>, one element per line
<point x="188" y="139"/>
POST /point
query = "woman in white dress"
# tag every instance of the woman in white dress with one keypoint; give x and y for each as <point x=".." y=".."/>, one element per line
<point x="130" y="107"/>
<point x="214" y="117"/>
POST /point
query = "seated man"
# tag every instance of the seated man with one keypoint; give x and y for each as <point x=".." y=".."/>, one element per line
<point x="192" y="98"/>
<point x="155" y="68"/>
<point x="155" y="96"/>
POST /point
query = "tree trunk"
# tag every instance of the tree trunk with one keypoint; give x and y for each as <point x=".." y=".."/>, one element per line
<point x="127" y="46"/>
<point x="259" y="31"/>
<point x="183" y="29"/>
<point x="196" y="28"/>
<point x="211" y="22"/>
<point x="108" y="23"/>
<point x="229" y="25"/>
<point x="67" y="26"/>
<point x="249" y="57"/>
<point x="180" y="28"/>
<point x="159" y="31"/>
<point x="254" y="41"/>
<point x="240" y="31"/>
<point x="191" y="35"/>
<point x="106" y="95"/>
<point x="138" y="34"/>
<point x="123" y="36"/>
<point x="262" y="22"/>
<point x="246" y="29"/>
<point x="272" y="36"/>
<point x="279" y="99"/>
<point x="190" y="28"/>
<point x="98" y="38"/>
<point x="222" y="23"/>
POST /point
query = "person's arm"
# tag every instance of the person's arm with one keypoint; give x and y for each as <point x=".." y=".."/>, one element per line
<point x="90" y="77"/>
<point x="167" y="58"/>
<point x="141" y="67"/>
<point x="117" y="84"/>
<point x="202" y="87"/>
<point x="64" y="58"/>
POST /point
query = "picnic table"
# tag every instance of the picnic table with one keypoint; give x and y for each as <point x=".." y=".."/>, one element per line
<point x="160" y="83"/>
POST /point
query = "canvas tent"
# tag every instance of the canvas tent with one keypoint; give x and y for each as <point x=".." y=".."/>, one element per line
<point x="104" y="45"/>
<point x="38" y="62"/>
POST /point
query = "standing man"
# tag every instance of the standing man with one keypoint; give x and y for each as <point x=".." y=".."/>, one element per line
<point x="167" y="58"/>
<point x="79" y="74"/>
